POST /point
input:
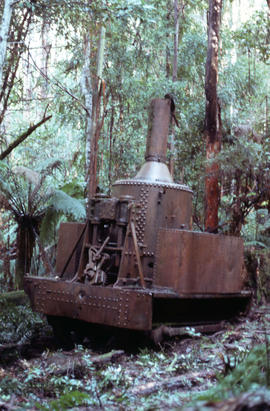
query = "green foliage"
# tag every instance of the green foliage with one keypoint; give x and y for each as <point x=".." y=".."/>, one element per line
<point x="249" y="375"/>
<point x="18" y="323"/>
<point x="66" y="401"/>
<point x="254" y="35"/>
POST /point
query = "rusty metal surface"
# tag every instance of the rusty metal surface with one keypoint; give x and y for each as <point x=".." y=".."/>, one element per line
<point x="192" y="262"/>
<point x="158" y="206"/>
<point x="69" y="233"/>
<point x="101" y="305"/>
<point x="105" y="208"/>
<point x="158" y="129"/>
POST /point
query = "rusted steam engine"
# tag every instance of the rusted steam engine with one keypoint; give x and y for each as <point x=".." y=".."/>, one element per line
<point x="136" y="263"/>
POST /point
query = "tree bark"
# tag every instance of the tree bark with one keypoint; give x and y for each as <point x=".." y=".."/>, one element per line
<point x="12" y="61"/>
<point x="176" y="8"/>
<point x="92" y="90"/>
<point x="4" y="30"/>
<point x="212" y="130"/>
<point x="22" y="137"/>
<point x="46" y="49"/>
<point x="86" y="85"/>
<point x="96" y="122"/>
<point x="176" y="39"/>
<point x="25" y="245"/>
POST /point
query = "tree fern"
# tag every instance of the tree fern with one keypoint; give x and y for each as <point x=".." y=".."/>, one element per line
<point x="35" y="206"/>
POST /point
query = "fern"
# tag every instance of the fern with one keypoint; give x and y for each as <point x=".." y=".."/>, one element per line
<point x="66" y="401"/>
<point x="65" y="204"/>
<point x="248" y="375"/>
<point x="35" y="207"/>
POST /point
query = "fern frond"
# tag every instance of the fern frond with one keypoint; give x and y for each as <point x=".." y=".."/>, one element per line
<point x="30" y="175"/>
<point x="55" y="165"/>
<point x="47" y="166"/>
<point x="65" y="204"/>
<point x="36" y="196"/>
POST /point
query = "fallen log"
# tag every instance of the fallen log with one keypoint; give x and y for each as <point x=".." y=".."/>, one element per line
<point x="13" y="297"/>
<point x="65" y="363"/>
<point x="172" y="383"/>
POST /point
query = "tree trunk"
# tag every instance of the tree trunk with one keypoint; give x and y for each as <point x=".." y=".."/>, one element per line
<point x="25" y="246"/>
<point x="176" y="39"/>
<point x="46" y="49"/>
<point x="23" y="20"/>
<point x="4" y="30"/>
<point x="90" y="90"/>
<point x="176" y="8"/>
<point x="86" y="85"/>
<point x="212" y="131"/>
<point x="96" y="123"/>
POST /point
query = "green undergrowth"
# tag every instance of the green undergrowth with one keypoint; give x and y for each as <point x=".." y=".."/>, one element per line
<point x="18" y="323"/>
<point x="252" y="374"/>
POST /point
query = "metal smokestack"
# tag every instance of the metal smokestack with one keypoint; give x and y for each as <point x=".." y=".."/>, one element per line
<point x="155" y="168"/>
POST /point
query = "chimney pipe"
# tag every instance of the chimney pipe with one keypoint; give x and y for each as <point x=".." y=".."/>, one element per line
<point x="155" y="168"/>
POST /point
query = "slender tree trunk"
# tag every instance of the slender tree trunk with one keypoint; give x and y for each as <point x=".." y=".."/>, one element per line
<point x="268" y="18"/>
<point x="86" y="85"/>
<point x="90" y="89"/>
<point x="16" y="50"/>
<point x="212" y="131"/>
<point x="46" y="49"/>
<point x="96" y="122"/>
<point x="4" y="30"/>
<point x="266" y="116"/>
<point x="168" y="38"/>
<point x="176" y="8"/>
<point x="111" y="143"/>
<point x="176" y="39"/>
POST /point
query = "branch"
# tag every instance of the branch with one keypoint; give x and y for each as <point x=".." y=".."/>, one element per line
<point x="55" y="82"/>
<point x="22" y="137"/>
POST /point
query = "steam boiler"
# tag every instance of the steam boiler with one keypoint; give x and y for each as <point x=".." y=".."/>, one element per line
<point x="136" y="263"/>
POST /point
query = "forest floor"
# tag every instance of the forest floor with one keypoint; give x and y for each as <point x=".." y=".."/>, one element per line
<point x="195" y="372"/>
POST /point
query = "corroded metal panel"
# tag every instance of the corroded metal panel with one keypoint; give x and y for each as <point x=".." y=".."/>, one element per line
<point x="192" y="262"/>
<point x="123" y="308"/>
<point x="159" y="205"/>
<point x="69" y="234"/>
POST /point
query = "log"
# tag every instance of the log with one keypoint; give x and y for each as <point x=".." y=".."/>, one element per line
<point x="171" y="383"/>
<point x="108" y="357"/>
<point x="13" y="297"/>
<point x="69" y="362"/>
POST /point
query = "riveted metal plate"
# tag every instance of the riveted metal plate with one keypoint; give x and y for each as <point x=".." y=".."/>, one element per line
<point x="141" y="215"/>
<point x="160" y="184"/>
<point x="101" y="305"/>
<point x="193" y="262"/>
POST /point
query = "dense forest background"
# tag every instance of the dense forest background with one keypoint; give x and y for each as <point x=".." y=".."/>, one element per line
<point x="77" y="78"/>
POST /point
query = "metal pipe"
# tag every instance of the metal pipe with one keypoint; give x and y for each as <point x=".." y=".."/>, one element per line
<point x="155" y="168"/>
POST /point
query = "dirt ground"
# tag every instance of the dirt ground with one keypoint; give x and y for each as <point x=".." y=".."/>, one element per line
<point x="36" y="375"/>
